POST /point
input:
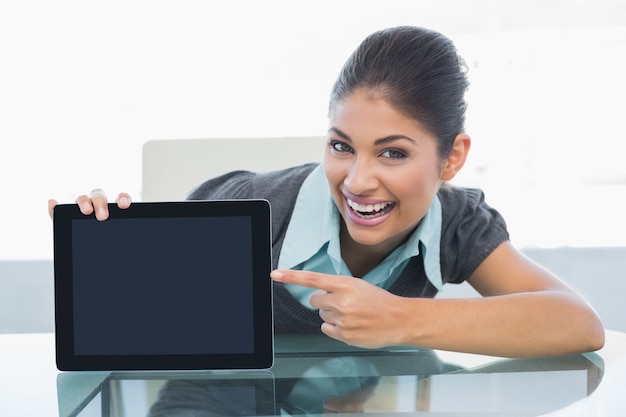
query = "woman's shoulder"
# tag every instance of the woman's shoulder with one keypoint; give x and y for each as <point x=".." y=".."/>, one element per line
<point x="249" y="184"/>
<point x="455" y="199"/>
<point x="284" y="180"/>
<point x="470" y="230"/>
<point x="461" y="205"/>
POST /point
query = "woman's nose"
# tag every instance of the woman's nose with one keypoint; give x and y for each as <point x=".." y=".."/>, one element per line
<point x="360" y="177"/>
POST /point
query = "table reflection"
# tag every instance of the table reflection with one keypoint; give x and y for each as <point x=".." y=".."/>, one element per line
<point x="338" y="380"/>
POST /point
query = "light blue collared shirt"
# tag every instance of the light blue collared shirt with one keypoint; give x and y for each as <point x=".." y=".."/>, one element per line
<point x="312" y="241"/>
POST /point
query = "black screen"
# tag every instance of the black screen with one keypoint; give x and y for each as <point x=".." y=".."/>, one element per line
<point x="151" y="286"/>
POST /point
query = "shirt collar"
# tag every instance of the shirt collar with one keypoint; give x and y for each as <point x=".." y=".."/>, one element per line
<point x="314" y="201"/>
<point x="314" y="222"/>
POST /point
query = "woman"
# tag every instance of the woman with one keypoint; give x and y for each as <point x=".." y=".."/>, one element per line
<point x="364" y="241"/>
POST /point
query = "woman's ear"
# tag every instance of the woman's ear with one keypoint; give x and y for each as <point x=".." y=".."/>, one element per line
<point x="455" y="161"/>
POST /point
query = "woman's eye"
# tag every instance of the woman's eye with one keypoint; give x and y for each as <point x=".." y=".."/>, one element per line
<point x="339" y="146"/>
<point x="394" y="154"/>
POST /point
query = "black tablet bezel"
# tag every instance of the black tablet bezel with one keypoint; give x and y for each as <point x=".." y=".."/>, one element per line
<point x="261" y="358"/>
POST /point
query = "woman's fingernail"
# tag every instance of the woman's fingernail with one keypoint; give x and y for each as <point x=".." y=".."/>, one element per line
<point x="277" y="275"/>
<point x="124" y="201"/>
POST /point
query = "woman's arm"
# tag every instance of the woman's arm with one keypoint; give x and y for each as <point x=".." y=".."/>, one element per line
<point x="525" y="312"/>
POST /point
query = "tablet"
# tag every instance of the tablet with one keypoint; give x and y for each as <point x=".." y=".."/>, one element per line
<point x="164" y="286"/>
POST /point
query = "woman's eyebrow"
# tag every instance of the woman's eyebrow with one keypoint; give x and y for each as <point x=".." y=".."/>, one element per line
<point x="339" y="133"/>
<point x="380" y="141"/>
<point x="392" y="138"/>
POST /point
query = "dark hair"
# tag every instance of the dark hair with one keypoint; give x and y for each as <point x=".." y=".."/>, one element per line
<point x="416" y="70"/>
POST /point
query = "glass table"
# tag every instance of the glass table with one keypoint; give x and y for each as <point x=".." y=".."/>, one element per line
<point x="316" y="376"/>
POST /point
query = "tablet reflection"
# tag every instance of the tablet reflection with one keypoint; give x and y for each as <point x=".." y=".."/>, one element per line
<point x="383" y="382"/>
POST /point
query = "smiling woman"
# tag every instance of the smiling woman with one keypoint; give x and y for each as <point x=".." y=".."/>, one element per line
<point x="388" y="158"/>
<point x="363" y="242"/>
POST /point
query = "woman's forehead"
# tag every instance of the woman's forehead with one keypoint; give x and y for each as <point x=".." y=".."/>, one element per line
<point x="365" y="112"/>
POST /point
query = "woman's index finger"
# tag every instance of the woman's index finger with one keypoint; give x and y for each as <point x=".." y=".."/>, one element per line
<point x="306" y="279"/>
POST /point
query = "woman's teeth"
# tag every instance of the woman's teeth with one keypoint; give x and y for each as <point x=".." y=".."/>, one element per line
<point x="367" y="209"/>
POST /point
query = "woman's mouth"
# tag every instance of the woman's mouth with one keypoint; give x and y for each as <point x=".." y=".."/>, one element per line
<point x="368" y="214"/>
<point x="368" y="211"/>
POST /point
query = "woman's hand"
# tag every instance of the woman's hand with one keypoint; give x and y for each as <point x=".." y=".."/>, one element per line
<point x="95" y="201"/>
<point x="354" y="311"/>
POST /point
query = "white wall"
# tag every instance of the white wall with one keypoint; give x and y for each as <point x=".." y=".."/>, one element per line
<point x="84" y="84"/>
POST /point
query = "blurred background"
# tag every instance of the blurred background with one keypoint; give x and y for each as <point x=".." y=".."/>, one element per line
<point x="83" y="85"/>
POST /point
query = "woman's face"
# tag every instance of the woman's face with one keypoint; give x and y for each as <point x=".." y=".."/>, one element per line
<point x="383" y="169"/>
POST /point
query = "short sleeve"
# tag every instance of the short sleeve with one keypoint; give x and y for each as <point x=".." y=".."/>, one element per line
<point x="470" y="231"/>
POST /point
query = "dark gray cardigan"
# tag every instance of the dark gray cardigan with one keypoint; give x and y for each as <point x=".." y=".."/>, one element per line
<point x="471" y="230"/>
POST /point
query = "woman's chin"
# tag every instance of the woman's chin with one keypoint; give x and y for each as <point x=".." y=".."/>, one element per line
<point x="367" y="232"/>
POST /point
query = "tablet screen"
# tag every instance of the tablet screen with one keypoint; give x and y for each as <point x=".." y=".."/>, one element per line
<point x="164" y="286"/>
